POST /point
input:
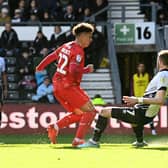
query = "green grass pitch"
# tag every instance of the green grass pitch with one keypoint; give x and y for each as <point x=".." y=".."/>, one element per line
<point x="34" y="151"/>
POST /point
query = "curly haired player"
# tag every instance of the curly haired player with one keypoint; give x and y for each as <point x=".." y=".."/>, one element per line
<point x="66" y="82"/>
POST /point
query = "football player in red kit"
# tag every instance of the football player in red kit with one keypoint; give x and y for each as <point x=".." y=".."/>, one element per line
<point x="66" y="82"/>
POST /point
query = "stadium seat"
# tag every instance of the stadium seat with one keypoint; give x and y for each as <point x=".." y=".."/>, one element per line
<point x="12" y="78"/>
<point x="12" y="86"/>
<point x="13" y="95"/>
<point x="9" y="53"/>
<point x="10" y="60"/>
<point x="28" y="96"/>
<point x="29" y="77"/>
<point x="29" y="87"/>
<point x="11" y="69"/>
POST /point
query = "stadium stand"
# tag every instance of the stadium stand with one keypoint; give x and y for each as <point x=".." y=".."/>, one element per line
<point x="130" y="7"/>
<point x="41" y="16"/>
<point x="31" y="12"/>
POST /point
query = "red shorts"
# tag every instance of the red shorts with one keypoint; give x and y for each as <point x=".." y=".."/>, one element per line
<point x="71" y="98"/>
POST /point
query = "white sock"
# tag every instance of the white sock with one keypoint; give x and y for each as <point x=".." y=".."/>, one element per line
<point x="77" y="139"/>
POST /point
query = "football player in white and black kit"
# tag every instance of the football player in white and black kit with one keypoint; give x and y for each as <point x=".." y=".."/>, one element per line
<point x="3" y="85"/>
<point x="140" y="110"/>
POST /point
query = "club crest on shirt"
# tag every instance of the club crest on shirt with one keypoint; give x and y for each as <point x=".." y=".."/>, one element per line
<point x="78" y="58"/>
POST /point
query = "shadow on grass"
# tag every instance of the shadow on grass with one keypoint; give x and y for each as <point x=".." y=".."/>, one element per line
<point x="64" y="147"/>
<point x="11" y="146"/>
<point x="159" y="148"/>
<point x="155" y="148"/>
<point x="103" y="146"/>
<point x="115" y="145"/>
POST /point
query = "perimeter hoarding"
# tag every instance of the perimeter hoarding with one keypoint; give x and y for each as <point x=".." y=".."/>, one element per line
<point x="34" y="118"/>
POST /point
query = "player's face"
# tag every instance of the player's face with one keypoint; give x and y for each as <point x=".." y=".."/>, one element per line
<point x="141" y="68"/>
<point x="85" y="39"/>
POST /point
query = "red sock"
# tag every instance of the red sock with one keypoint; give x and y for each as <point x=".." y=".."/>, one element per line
<point x="84" y="124"/>
<point x="68" y="119"/>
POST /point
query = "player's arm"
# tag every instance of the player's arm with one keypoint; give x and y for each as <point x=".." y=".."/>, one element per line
<point x="47" y="60"/>
<point x="158" y="99"/>
<point x="75" y="65"/>
<point x="75" y="69"/>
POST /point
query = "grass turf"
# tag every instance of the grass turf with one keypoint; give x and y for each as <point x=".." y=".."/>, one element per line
<point x="31" y="151"/>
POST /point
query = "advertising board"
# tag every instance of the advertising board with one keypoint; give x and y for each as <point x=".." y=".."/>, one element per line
<point x="34" y="118"/>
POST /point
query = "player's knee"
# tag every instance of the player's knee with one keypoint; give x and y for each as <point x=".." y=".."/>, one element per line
<point x="78" y="111"/>
<point x="105" y="113"/>
<point x="88" y="107"/>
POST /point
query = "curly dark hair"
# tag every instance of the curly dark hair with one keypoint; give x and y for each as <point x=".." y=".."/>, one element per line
<point x="82" y="27"/>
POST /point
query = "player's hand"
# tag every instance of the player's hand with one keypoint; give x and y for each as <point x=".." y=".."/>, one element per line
<point x="91" y="67"/>
<point x="130" y="101"/>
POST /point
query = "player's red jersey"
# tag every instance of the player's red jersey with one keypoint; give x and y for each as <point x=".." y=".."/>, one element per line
<point x="68" y="75"/>
<point x="70" y="63"/>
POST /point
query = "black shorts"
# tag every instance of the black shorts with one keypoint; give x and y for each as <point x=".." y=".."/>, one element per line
<point x="131" y="115"/>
